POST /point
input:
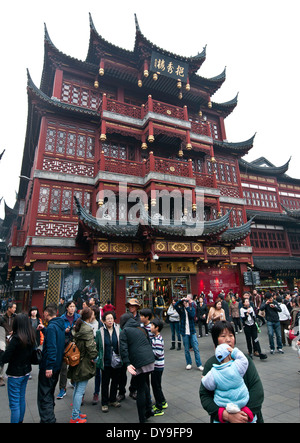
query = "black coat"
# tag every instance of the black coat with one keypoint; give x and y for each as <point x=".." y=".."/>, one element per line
<point x="135" y="346"/>
<point x="18" y="357"/>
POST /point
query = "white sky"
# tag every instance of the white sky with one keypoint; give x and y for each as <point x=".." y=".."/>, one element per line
<point x="257" y="41"/>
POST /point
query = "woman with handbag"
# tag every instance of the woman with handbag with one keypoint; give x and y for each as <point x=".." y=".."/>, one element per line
<point x="215" y="313"/>
<point x="107" y="342"/>
<point x="80" y="374"/>
<point x="18" y="355"/>
<point x="250" y="329"/>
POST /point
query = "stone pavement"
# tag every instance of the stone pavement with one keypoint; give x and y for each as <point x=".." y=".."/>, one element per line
<point x="279" y="375"/>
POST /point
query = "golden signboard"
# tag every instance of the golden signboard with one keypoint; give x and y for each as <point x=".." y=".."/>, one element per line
<point x="167" y="267"/>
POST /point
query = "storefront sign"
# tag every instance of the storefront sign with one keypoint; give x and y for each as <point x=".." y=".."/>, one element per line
<point x="137" y="267"/>
<point x="169" y="67"/>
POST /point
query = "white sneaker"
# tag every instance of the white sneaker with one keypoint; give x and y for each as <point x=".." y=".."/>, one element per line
<point x="200" y="368"/>
<point x="188" y="367"/>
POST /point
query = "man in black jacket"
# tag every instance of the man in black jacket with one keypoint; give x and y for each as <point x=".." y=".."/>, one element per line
<point x="271" y="307"/>
<point x="137" y="355"/>
<point x="52" y="357"/>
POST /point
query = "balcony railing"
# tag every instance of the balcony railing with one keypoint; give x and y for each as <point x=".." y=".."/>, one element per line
<point x="157" y="164"/>
<point x="201" y="128"/>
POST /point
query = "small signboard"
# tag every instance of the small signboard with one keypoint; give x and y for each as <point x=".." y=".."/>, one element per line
<point x="23" y="280"/>
<point x="31" y="280"/>
<point x="40" y="280"/>
<point x="252" y="278"/>
<point x="169" y="66"/>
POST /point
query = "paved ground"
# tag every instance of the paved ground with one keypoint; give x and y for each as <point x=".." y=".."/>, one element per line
<point x="279" y="374"/>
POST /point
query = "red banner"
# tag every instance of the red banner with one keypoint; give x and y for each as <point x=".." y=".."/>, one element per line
<point x="216" y="280"/>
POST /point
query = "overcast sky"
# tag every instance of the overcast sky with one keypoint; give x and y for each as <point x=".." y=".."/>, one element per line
<point x="257" y="41"/>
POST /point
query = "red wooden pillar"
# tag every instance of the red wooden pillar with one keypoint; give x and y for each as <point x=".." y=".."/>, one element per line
<point x="57" y="85"/>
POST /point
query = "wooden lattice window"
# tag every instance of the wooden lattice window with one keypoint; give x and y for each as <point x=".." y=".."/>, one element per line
<point x="54" y="200"/>
<point x="70" y="141"/>
<point x="272" y="239"/>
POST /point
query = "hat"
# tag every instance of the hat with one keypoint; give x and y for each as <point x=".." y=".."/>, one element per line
<point x="221" y="352"/>
<point x="133" y="302"/>
<point x="124" y="319"/>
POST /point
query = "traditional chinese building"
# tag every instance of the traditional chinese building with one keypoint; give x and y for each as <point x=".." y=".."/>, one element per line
<point x="273" y="203"/>
<point x="106" y="138"/>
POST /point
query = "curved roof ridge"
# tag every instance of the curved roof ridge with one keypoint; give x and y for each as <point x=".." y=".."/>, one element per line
<point x="57" y="103"/>
<point x="268" y="170"/>
<point x="101" y="39"/>
<point x="199" y="57"/>
<point x="210" y="228"/>
<point x="237" y="233"/>
<point x="236" y="146"/>
<point x="295" y="213"/>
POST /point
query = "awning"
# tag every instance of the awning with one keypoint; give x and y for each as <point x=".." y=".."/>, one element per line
<point x="276" y="263"/>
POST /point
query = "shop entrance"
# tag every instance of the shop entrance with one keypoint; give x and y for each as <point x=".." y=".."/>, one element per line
<point x="146" y="288"/>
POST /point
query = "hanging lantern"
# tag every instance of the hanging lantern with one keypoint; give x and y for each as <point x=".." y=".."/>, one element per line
<point x="179" y="84"/>
<point x="101" y="71"/>
<point x="155" y="76"/>
<point x="188" y="146"/>
<point x="188" y="87"/>
<point x="209" y="104"/>
<point x="144" y="146"/>
<point x="200" y="113"/>
<point x="96" y="84"/>
<point x="213" y="160"/>
<point x="180" y="153"/>
<point x="103" y="137"/>
<point x="180" y="95"/>
<point x="146" y="73"/>
<point x="140" y="83"/>
<point x="151" y="138"/>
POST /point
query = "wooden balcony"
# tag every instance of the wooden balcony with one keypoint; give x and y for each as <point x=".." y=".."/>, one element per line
<point x="157" y="164"/>
<point x="153" y="106"/>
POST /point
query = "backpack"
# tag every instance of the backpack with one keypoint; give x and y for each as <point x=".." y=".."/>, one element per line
<point x="72" y="354"/>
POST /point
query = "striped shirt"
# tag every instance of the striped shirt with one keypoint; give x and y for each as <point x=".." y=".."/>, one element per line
<point x="158" y="349"/>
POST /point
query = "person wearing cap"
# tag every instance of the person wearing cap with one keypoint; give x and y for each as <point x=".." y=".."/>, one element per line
<point x="133" y="306"/>
<point x="226" y="380"/>
<point x="223" y="333"/>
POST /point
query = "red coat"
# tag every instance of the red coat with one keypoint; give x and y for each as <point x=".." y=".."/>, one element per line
<point x="108" y="307"/>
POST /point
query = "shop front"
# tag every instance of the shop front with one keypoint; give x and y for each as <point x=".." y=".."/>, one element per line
<point x="145" y="281"/>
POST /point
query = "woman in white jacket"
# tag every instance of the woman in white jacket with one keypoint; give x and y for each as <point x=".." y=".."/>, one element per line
<point x="175" y="325"/>
<point x="284" y="318"/>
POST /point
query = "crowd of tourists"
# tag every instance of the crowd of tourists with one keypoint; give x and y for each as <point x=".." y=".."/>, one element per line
<point x="112" y="354"/>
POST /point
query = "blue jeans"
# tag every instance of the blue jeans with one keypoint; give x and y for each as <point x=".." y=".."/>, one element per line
<point x="274" y="327"/>
<point x="16" y="388"/>
<point x="79" y="390"/>
<point x="187" y="339"/>
<point x="175" y="327"/>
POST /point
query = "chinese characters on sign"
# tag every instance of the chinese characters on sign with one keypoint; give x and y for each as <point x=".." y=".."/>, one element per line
<point x="169" y="67"/>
